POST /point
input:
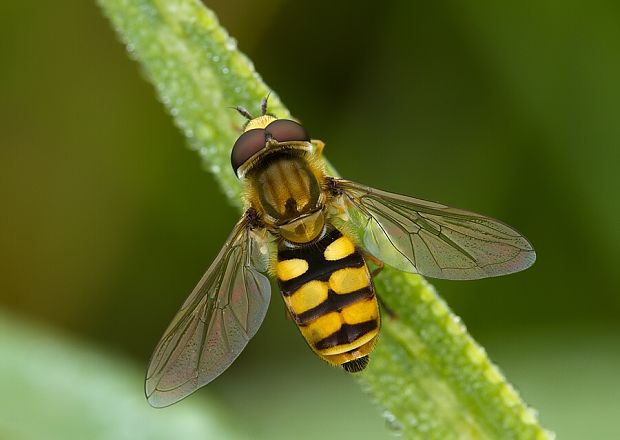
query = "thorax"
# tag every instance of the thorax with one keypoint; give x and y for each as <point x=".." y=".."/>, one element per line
<point x="287" y="191"/>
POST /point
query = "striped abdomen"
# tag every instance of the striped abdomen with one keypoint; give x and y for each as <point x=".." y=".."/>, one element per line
<point x="330" y="294"/>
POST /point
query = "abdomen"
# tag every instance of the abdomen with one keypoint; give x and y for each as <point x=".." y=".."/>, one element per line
<point x="329" y="293"/>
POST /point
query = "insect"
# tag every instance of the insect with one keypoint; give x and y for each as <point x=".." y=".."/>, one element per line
<point x="315" y="234"/>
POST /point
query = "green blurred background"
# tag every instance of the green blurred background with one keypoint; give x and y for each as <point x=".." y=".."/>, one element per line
<point x="107" y="221"/>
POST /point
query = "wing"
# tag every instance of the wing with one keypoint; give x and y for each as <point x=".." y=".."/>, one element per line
<point x="214" y="324"/>
<point x="434" y="240"/>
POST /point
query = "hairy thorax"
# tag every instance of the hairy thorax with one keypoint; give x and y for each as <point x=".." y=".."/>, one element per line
<point x="287" y="191"/>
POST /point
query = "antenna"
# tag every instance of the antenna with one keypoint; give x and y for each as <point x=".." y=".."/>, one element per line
<point x="246" y="114"/>
<point x="263" y="104"/>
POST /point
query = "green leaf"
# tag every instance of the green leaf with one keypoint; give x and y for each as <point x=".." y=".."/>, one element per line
<point x="432" y="378"/>
<point x="60" y="389"/>
<point x="427" y="374"/>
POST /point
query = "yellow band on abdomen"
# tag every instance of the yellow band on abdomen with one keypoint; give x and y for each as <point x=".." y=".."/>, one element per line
<point x="289" y="269"/>
<point x="339" y="249"/>
<point x="349" y="279"/>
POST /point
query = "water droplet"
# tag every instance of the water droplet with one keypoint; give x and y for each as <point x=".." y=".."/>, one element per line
<point x="231" y="43"/>
<point x="475" y="353"/>
<point x="423" y="427"/>
<point x="225" y="70"/>
<point x="509" y="395"/>
<point x="204" y="132"/>
<point x="454" y="325"/>
<point x="493" y="375"/>
<point x="215" y="59"/>
<point x="392" y="422"/>
<point x="439" y="309"/>
<point x="528" y="416"/>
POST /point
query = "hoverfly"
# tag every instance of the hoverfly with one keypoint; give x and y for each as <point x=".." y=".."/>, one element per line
<point x="315" y="233"/>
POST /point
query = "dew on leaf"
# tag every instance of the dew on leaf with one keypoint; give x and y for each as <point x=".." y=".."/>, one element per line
<point x="392" y="422"/>
<point x="493" y="375"/>
<point x="231" y="43"/>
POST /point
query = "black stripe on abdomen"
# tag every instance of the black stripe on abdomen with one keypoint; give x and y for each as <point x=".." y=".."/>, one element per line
<point x="319" y="271"/>
<point x="309" y="251"/>
<point x="318" y="267"/>
<point x="334" y="303"/>
<point x="347" y="334"/>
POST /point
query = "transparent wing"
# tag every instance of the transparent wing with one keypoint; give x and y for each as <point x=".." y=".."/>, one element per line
<point x="434" y="240"/>
<point x="214" y="324"/>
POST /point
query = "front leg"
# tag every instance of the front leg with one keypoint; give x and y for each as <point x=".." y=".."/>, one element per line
<point x="319" y="146"/>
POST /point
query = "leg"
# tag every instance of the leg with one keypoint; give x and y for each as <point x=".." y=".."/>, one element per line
<point x="288" y="315"/>
<point x="391" y="313"/>
<point x="374" y="273"/>
<point x="376" y="262"/>
<point x="319" y="145"/>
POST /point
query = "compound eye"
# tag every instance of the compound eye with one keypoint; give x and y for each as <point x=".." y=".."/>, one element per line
<point x="248" y="144"/>
<point x="284" y="130"/>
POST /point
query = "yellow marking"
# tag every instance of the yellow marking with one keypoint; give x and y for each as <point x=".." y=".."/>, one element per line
<point x="289" y="269"/>
<point x="284" y="187"/>
<point x="303" y="180"/>
<point x="321" y="327"/>
<point x="351" y="346"/>
<point x="303" y="229"/>
<point x="349" y="279"/>
<point x="339" y="249"/>
<point x="269" y="187"/>
<point x="307" y="296"/>
<point x="339" y="359"/>
<point x="260" y="122"/>
<point x="360" y="311"/>
<point x="284" y="180"/>
<point x="294" y="187"/>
